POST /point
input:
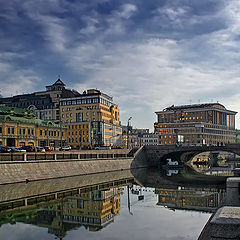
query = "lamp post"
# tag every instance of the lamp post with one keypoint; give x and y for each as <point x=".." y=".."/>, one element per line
<point x="128" y="129"/>
<point x="61" y="134"/>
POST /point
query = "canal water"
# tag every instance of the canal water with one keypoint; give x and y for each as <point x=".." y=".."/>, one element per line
<point x="152" y="206"/>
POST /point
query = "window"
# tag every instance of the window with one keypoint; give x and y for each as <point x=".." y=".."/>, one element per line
<point x="9" y="130"/>
<point x="89" y="100"/>
<point x="95" y="100"/>
<point x="13" y="130"/>
<point x="63" y="110"/>
<point x="0" y="129"/>
<point x="41" y="132"/>
<point x="62" y="115"/>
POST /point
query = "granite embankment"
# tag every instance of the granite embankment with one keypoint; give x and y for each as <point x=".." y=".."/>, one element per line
<point x="80" y="163"/>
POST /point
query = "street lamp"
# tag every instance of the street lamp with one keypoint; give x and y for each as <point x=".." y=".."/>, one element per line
<point x="128" y="129"/>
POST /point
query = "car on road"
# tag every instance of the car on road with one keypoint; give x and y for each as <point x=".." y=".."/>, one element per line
<point x="17" y="149"/>
<point x="66" y="148"/>
<point x="40" y="149"/>
<point x="29" y="148"/>
<point x="5" y="149"/>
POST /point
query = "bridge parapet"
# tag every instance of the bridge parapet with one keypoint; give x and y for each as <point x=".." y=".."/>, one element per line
<point x="155" y="153"/>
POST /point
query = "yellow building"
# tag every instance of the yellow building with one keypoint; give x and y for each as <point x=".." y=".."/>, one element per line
<point x="79" y="134"/>
<point x="19" y="127"/>
<point x="95" y="209"/>
<point x="99" y="111"/>
<point x="208" y="123"/>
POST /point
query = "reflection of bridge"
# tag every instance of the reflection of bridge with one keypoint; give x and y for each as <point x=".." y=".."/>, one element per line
<point x="157" y="153"/>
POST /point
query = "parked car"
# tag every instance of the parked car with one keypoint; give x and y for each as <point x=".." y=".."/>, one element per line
<point x="17" y="149"/>
<point x="40" y="149"/>
<point x="5" y="149"/>
<point x="48" y="148"/>
<point x="28" y="148"/>
<point x="66" y="148"/>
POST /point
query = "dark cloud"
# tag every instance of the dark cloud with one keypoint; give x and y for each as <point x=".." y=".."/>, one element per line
<point x="123" y="47"/>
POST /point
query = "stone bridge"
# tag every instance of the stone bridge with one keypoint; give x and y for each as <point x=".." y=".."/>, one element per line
<point x="156" y="154"/>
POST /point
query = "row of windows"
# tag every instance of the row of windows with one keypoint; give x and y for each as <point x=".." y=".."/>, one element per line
<point x="78" y="133"/>
<point x="77" y="140"/>
<point x="82" y="219"/>
<point x="22" y="131"/>
<point x="30" y="131"/>
<point x="50" y="133"/>
<point x="79" y="101"/>
<point x="25" y="104"/>
<point x="77" y="126"/>
<point x="86" y="101"/>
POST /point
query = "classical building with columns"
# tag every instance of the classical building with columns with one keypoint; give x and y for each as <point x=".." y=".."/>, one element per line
<point x="209" y="123"/>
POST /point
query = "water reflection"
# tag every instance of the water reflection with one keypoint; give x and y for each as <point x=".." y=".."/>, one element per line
<point x="218" y="163"/>
<point x="143" y="196"/>
<point x="93" y="210"/>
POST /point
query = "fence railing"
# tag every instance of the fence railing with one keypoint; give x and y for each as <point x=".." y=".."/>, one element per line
<point x="82" y="155"/>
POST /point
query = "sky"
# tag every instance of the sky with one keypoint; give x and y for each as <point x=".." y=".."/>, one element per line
<point x="147" y="55"/>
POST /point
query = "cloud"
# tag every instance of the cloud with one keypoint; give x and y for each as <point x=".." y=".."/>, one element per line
<point x="127" y="10"/>
<point x="146" y="54"/>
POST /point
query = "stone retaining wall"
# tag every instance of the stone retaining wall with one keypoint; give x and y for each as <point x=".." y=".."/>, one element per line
<point x="38" y="170"/>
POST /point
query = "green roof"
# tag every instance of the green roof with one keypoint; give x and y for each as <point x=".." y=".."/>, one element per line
<point x="23" y="116"/>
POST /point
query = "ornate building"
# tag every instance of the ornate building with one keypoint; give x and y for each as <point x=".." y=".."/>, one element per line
<point x="209" y="123"/>
<point x="45" y="104"/>
<point x="19" y="127"/>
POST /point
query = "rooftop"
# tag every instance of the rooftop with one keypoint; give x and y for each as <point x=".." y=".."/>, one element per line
<point x="23" y="116"/>
<point x="203" y="105"/>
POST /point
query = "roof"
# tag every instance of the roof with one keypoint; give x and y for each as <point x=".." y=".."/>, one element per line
<point x="59" y="82"/>
<point x="204" y="105"/>
<point x="23" y="116"/>
<point x="67" y="93"/>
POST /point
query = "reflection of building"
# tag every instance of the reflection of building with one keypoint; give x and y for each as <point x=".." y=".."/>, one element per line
<point x="189" y="199"/>
<point x="97" y="109"/>
<point x="95" y="209"/>
<point x="19" y="127"/>
<point x="209" y="123"/>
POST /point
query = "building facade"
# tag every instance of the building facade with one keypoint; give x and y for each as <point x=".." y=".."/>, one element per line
<point x="45" y="104"/>
<point x="97" y="110"/>
<point x="209" y="123"/>
<point x="20" y="127"/>
<point x="138" y="137"/>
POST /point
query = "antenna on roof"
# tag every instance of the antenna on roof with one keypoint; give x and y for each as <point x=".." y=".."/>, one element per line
<point x="199" y="101"/>
<point x="190" y="101"/>
<point x="59" y="76"/>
